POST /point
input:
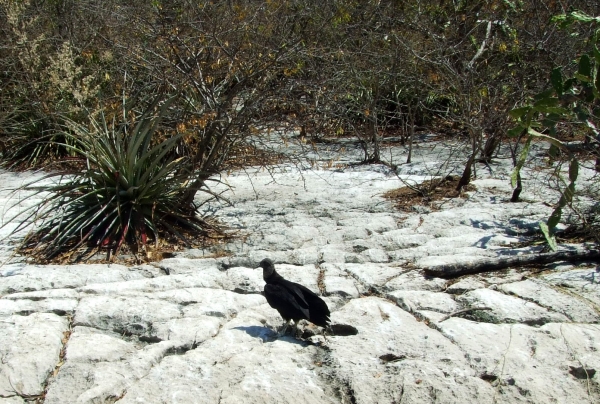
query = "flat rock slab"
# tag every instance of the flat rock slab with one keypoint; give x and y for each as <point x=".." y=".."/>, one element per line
<point x="395" y="358"/>
<point x="195" y="328"/>
<point x="508" y="309"/>
<point x="577" y="310"/>
<point x="243" y="363"/>
<point x="528" y="364"/>
<point x="375" y="275"/>
<point x="584" y="283"/>
<point x="30" y="351"/>
<point x="338" y="282"/>
<point x="414" y="301"/>
<point x="28" y="278"/>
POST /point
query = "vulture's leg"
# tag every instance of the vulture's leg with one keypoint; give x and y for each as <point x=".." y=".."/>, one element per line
<point x="295" y="329"/>
<point x="284" y="329"/>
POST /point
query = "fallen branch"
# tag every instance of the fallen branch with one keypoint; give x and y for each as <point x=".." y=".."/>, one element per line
<point x="456" y="313"/>
<point x="496" y="264"/>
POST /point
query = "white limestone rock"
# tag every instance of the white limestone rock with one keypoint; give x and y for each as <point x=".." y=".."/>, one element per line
<point x="372" y="274"/>
<point x="124" y="314"/>
<point x="376" y="255"/>
<point x="304" y="255"/>
<point x="466" y="285"/>
<point x="182" y="265"/>
<point x="332" y="254"/>
<point x="241" y="280"/>
<point x="196" y="329"/>
<point x="28" y="278"/>
<point x="30" y="350"/>
<point x="89" y="382"/>
<point x="338" y="282"/>
<point x="14" y="399"/>
<point x="415" y="280"/>
<point x="584" y="282"/>
<point x="416" y="301"/>
<point x="25" y="307"/>
<point x="394" y="358"/>
<point x="577" y="310"/>
<point x="187" y="332"/>
<point x="399" y="239"/>
<point x="527" y="364"/>
<point x="89" y="345"/>
<point x="508" y="309"/>
<point x="306" y="275"/>
<point x="240" y="364"/>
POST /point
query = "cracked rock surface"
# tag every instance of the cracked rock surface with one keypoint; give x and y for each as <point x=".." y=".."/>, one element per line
<point x="195" y="329"/>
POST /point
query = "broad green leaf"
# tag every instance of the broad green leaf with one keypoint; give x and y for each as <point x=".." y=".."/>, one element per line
<point x="551" y="120"/>
<point x="588" y="92"/>
<point x="546" y="102"/>
<point x="582" y="78"/>
<point x="550" y="239"/>
<point x="550" y="139"/>
<point x="596" y="53"/>
<point x="583" y="17"/>
<point x="585" y="67"/>
<point x="582" y="113"/>
<point x="568" y="84"/>
<point x="569" y="193"/>
<point x="554" y="218"/>
<point x="560" y="19"/>
<point x="516" y="131"/>
<point x="557" y="80"/>
<point x="549" y="93"/>
<point x="573" y="170"/>
<point x="519" y="112"/>
<point x="552" y="110"/>
<point x="553" y="151"/>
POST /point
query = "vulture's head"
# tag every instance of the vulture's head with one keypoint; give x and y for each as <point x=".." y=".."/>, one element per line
<point x="267" y="266"/>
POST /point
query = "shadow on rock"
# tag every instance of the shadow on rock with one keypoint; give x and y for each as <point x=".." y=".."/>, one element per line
<point x="342" y="330"/>
<point x="266" y="334"/>
<point x="256" y="331"/>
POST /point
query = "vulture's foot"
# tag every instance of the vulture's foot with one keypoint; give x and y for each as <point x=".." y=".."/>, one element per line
<point x="283" y="329"/>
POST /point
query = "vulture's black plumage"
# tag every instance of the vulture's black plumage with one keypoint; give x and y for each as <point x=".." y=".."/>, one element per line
<point x="292" y="300"/>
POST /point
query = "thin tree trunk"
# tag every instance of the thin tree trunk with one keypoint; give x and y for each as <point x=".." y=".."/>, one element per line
<point x="519" y="188"/>
<point x="411" y="116"/>
<point x="466" y="176"/>
<point x="496" y="264"/>
<point x="517" y="191"/>
<point x="375" y="139"/>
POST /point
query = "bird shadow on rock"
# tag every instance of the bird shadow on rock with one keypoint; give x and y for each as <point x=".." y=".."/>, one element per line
<point x="342" y="330"/>
<point x="267" y="335"/>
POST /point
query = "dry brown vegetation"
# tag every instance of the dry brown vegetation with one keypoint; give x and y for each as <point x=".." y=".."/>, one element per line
<point x="230" y="71"/>
<point x="430" y="193"/>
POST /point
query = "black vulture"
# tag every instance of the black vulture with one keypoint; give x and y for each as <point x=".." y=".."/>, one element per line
<point x="292" y="300"/>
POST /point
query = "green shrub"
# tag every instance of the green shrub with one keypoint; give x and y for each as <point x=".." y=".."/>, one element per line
<point x="129" y="191"/>
<point x="571" y="100"/>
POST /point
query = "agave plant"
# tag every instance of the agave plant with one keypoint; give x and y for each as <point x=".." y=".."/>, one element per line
<point x="128" y="192"/>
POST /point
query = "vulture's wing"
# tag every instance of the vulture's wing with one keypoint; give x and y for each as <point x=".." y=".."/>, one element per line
<point x="287" y="301"/>
<point x="318" y="312"/>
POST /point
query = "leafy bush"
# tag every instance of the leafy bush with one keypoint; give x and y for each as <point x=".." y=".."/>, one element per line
<point x="573" y="100"/>
<point x="128" y="192"/>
